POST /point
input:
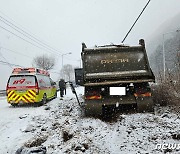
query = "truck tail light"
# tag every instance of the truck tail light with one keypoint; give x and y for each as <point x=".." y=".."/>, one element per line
<point x="142" y="92"/>
<point x="146" y="94"/>
<point x="94" y="97"/>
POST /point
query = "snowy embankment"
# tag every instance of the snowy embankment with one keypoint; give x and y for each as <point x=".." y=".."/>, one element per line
<point x="59" y="127"/>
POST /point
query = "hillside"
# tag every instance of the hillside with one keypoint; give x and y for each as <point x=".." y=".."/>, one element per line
<point x="156" y="38"/>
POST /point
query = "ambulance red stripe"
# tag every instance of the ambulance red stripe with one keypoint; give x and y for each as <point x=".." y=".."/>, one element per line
<point x="25" y="99"/>
<point x="32" y="94"/>
<point x="17" y="98"/>
<point x="9" y="96"/>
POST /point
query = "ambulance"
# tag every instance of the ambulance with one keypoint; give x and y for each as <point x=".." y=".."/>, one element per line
<point x="30" y="85"/>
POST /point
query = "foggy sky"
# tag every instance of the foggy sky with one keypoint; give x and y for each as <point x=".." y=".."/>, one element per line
<point x="65" y="24"/>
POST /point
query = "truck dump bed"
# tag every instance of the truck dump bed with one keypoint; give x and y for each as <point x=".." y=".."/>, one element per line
<point x="116" y="64"/>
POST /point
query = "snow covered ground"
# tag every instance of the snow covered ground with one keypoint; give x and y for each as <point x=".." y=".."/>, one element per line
<point x="59" y="127"/>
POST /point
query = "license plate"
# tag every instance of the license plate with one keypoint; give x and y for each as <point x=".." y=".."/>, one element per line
<point x="118" y="91"/>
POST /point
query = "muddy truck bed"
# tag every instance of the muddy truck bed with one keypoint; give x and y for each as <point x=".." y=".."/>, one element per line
<point x="116" y="64"/>
<point x="122" y="69"/>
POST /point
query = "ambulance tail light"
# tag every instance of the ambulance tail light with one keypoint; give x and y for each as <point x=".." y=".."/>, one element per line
<point x="37" y="88"/>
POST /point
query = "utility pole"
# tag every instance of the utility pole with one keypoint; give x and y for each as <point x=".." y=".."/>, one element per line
<point x="164" y="56"/>
<point x="62" y="62"/>
<point x="64" y="55"/>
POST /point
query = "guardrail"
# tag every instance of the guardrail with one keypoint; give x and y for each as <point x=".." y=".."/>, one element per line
<point x="2" y="92"/>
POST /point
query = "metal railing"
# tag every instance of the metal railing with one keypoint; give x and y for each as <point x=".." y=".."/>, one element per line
<point x="2" y="92"/>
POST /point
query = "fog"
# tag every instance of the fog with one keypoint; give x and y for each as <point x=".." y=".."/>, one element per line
<point x="64" y="25"/>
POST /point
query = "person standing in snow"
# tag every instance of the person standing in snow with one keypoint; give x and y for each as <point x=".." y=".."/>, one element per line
<point x="62" y="87"/>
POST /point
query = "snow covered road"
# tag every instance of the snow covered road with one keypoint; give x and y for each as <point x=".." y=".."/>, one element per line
<point x="13" y="123"/>
<point x="60" y="127"/>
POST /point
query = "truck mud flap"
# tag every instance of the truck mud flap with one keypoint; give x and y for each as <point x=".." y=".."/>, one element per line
<point x="145" y="104"/>
<point x="92" y="108"/>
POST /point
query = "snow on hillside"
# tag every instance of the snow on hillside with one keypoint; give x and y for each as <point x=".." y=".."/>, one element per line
<point x="59" y="127"/>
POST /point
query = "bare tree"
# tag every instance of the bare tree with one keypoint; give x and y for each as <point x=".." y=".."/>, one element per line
<point x="168" y="88"/>
<point x="45" y="62"/>
<point x="67" y="72"/>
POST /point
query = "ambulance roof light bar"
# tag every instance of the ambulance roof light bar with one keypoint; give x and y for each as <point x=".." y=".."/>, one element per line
<point x="30" y="71"/>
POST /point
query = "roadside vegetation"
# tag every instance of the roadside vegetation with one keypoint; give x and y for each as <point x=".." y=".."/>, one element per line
<point x="166" y="91"/>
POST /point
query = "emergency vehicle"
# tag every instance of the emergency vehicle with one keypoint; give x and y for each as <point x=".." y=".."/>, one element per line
<point x="30" y="85"/>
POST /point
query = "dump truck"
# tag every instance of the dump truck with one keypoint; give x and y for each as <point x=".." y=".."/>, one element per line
<point x="114" y="75"/>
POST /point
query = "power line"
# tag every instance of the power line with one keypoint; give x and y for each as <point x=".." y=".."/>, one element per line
<point x="11" y="64"/>
<point x="30" y="34"/>
<point x="55" y="71"/>
<point x="6" y="16"/>
<point x="24" y="33"/>
<point x="23" y="39"/>
<point x="135" y="21"/>
<point x="7" y="63"/>
<point x="15" y="52"/>
<point x="5" y="59"/>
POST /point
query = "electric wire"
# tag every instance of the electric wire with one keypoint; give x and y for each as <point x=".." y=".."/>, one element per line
<point x="4" y="58"/>
<point x="7" y="63"/>
<point x="29" y="33"/>
<point x="135" y="21"/>
<point x="12" y="64"/>
<point x="15" y="52"/>
<point x="23" y="39"/>
<point x="24" y="33"/>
